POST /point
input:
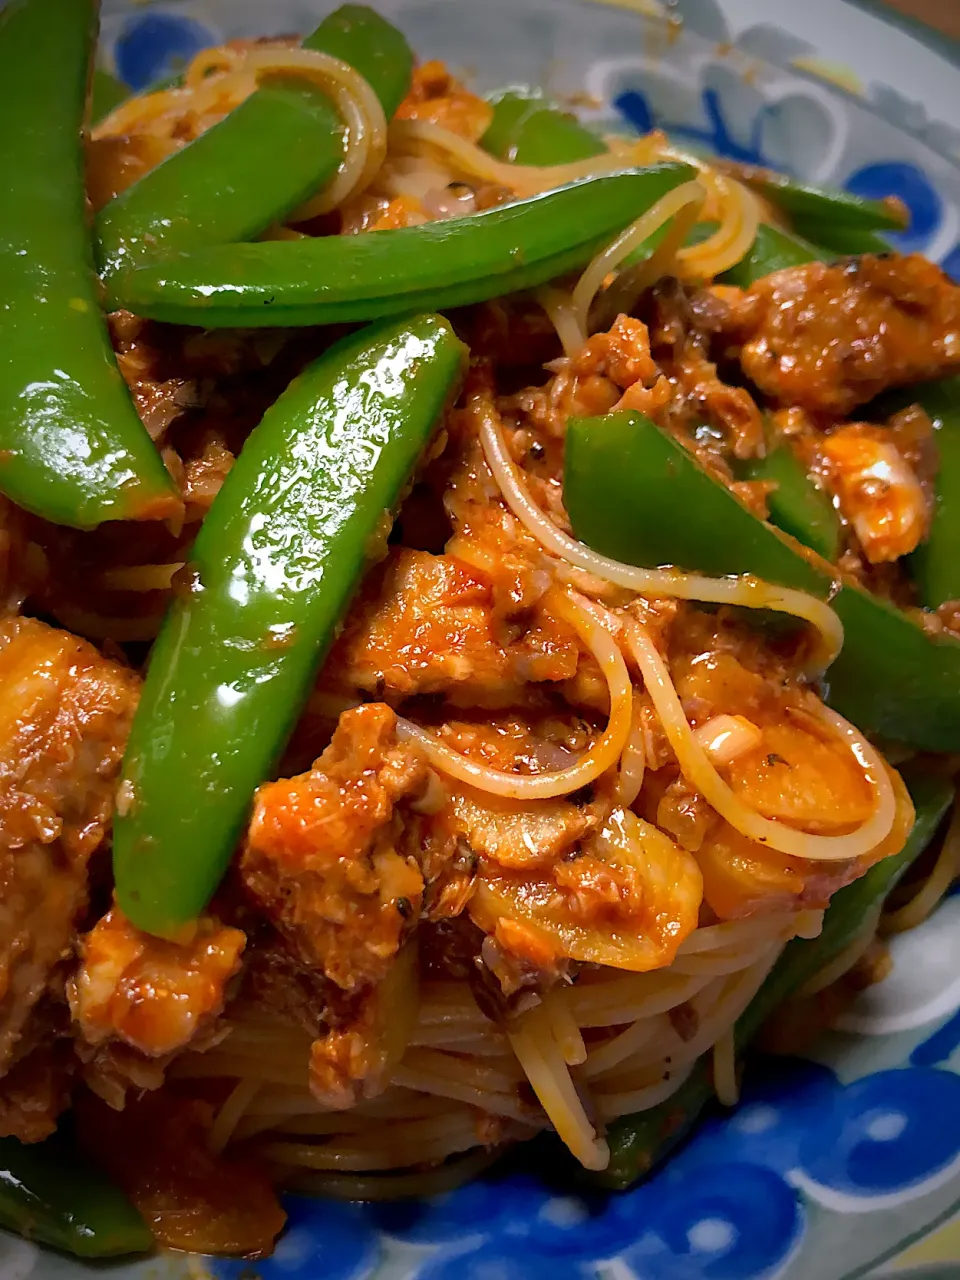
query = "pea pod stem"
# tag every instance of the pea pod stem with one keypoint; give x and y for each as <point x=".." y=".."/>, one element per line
<point x="333" y="279"/>
<point x="626" y="481"/>
<point x="640" y="1142"/>
<point x="263" y="160"/>
<point x="276" y="563"/>
<point x="72" y="448"/>
<point x="50" y="1194"/>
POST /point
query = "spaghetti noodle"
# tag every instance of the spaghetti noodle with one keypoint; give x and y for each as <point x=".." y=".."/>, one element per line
<point x="460" y="1065"/>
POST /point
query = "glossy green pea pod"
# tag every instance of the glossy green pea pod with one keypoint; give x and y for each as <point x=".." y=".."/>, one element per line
<point x="255" y="167"/>
<point x="527" y="129"/>
<point x="274" y="566"/>
<point x="838" y="241"/>
<point x="805" y="201"/>
<point x="49" y="1193"/>
<point x="812" y="240"/>
<point x="638" y="1143"/>
<point x="772" y="250"/>
<point x="72" y="448"/>
<point x="634" y="493"/>
<point x="333" y="279"/>
<point x="797" y="505"/>
<point x="106" y="93"/>
<point x="936" y="562"/>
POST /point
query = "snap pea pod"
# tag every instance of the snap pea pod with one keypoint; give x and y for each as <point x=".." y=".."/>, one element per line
<point x="772" y="250"/>
<point x="634" y="493"/>
<point x="260" y="162"/>
<point x="797" y="505"/>
<point x="50" y="1194"/>
<point x="527" y="129"/>
<point x="72" y="448"/>
<point x="812" y="240"/>
<point x="106" y="92"/>
<point x="274" y="566"/>
<point x="836" y="240"/>
<point x="936" y="562"/>
<point x="805" y="201"/>
<point x="639" y="1142"/>
<point x="331" y="279"/>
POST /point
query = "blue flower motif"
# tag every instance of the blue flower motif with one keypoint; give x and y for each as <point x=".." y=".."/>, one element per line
<point x="155" y="45"/>
<point x="782" y="1100"/>
<point x="728" y="116"/>
<point x="322" y="1238"/>
<point x="716" y="136"/>
<point x="913" y="187"/>
<point x="724" y="112"/>
<point x="890" y="1134"/>
<point x="727" y="1221"/>
<point x="517" y="1210"/>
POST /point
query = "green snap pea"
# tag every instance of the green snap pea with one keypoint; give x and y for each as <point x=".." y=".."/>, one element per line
<point x="772" y="250"/>
<point x="72" y="448"/>
<point x="639" y="1142"/>
<point x="359" y="36"/>
<point x="805" y="201"/>
<point x="527" y="129"/>
<point x="634" y="493"/>
<point x="836" y="240"/>
<point x="331" y="279"/>
<point x="106" y="92"/>
<point x="936" y="562"/>
<point x="797" y="505"/>
<point x="263" y="160"/>
<point x="274" y="567"/>
<point x="49" y="1193"/>
<point x="812" y="240"/>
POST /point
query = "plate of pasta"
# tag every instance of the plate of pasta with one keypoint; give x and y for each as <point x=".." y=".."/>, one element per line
<point x="480" y="645"/>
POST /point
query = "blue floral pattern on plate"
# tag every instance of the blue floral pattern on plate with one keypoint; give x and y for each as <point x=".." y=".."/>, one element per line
<point x="826" y="1166"/>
